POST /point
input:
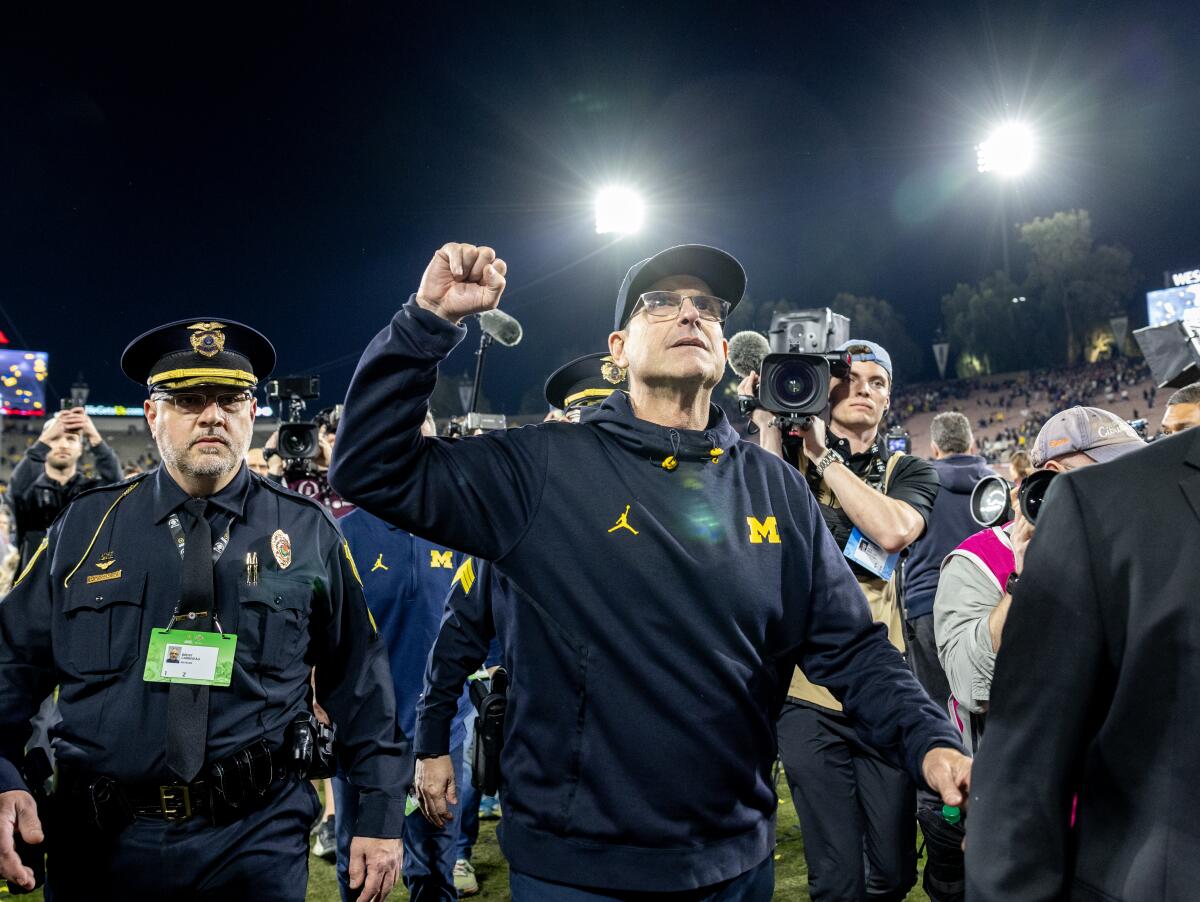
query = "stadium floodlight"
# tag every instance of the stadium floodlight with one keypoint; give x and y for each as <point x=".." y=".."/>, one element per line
<point x="618" y="211"/>
<point x="1008" y="151"/>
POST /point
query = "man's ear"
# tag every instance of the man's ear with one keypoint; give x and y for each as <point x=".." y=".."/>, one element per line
<point x="151" y="411"/>
<point x="616" y="349"/>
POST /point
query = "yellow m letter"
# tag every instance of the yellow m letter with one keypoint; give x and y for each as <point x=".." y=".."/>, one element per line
<point x="765" y="530"/>
<point x="441" y="559"/>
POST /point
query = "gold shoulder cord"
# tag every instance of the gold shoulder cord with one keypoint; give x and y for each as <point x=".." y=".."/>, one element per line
<point x="33" y="560"/>
<point x="96" y="534"/>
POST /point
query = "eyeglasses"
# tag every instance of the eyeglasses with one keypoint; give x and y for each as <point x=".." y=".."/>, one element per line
<point x="194" y="403"/>
<point x="666" y="304"/>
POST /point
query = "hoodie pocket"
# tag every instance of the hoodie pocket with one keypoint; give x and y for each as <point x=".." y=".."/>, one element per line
<point x="543" y="747"/>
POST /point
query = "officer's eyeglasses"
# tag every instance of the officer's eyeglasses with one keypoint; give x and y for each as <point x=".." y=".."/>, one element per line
<point x="667" y="304"/>
<point x="194" y="403"/>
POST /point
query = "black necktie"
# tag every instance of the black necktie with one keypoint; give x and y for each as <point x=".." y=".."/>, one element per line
<point x="187" y="706"/>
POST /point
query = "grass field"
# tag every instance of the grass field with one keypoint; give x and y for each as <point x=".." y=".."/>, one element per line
<point x="791" y="875"/>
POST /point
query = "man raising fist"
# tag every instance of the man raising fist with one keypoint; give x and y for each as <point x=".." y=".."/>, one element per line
<point x="666" y="580"/>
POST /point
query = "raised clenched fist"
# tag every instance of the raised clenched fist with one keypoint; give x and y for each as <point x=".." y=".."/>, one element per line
<point x="460" y="280"/>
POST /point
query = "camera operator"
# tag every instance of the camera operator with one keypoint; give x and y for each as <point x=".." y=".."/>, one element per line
<point x="48" y="478"/>
<point x="1183" y="410"/>
<point x="848" y="797"/>
<point x="310" y="476"/>
<point x="974" y="593"/>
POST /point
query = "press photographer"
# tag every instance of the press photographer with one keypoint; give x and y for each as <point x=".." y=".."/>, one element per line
<point x="974" y="592"/>
<point x="876" y="504"/>
<point x="299" y="453"/>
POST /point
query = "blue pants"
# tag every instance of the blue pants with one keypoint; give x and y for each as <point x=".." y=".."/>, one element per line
<point x="428" y="850"/>
<point x="468" y="796"/>
<point x="261" y="856"/>
<point x="755" y="885"/>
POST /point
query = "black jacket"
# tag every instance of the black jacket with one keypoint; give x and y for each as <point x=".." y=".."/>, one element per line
<point x="37" y="499"/>
<point x="1097" y="692"/>
<point x="656" y="618"/>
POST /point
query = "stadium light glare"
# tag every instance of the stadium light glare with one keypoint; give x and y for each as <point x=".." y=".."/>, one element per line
<point x="618" y="211"/>
<point x="1008" y="151"/>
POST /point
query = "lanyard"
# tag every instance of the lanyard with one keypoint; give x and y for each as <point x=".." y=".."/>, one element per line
<point x="219" y="546"/>
<point x="180" y="539"/>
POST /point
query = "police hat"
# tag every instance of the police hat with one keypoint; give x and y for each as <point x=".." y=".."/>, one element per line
<point x="192" y="352"/>
<point x="585" y="380"/>
<point x="719" y="270"/>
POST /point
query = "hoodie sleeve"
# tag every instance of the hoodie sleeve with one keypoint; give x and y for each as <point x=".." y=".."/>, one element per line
<point x="475" y="494"/>
<point x="850" y="655"/>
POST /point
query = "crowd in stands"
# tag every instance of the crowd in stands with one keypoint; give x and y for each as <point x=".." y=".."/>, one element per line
<point x="1006" y="411"/>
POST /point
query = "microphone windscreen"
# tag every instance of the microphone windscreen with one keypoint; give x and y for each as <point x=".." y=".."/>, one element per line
<point x="501" y="327"/>
<point x="746" y="352"/>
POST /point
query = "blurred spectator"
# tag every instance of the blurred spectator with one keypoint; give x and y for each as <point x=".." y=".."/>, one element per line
<point x="1019" y="467"/>
<point x="48" y="477"/>
<point x="1183" y="410"/>
<point x="9" y="554"/>
<point x="256" y="462"/>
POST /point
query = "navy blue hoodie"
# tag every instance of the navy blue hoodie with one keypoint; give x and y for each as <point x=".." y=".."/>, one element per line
<point x="657" y="615"/>
<point x="949" y="523"/>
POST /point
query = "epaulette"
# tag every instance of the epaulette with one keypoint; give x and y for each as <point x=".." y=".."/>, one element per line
<point x="110" y="486"/>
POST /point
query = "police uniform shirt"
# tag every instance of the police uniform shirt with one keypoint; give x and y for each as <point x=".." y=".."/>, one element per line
<point x="109" y="572"/>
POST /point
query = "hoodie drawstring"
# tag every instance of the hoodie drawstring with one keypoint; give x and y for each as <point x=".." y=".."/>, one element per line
<point x="715" y="452"/>
<point x="671" y="461"/>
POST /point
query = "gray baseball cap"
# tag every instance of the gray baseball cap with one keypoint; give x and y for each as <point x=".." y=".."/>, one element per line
<point x="1102" y="435"/>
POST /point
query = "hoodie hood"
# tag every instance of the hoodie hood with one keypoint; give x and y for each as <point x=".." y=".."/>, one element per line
<point x="959" y="472"/>
<point x="659" y="443"/>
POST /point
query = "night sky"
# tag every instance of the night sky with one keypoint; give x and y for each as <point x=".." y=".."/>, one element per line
<point x="295" y="166"/>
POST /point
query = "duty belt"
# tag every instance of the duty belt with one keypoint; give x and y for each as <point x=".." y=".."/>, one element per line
<point x="227" y="786"/>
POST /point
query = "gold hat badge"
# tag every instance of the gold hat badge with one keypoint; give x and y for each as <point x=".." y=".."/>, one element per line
<point x="207" y="338"/>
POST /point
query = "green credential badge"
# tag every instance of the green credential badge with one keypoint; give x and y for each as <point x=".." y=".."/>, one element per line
<point x="194" y="657"/>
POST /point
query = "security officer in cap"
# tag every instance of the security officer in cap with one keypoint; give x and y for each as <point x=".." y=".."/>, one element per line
<point x="584" y="382"/>
<point x="184" y="775"/>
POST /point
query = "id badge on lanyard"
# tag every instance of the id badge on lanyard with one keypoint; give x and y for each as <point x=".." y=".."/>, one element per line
<point x="194" y="657"/>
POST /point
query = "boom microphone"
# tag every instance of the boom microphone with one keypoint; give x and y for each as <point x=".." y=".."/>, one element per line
<point x="501" y="327"/>
<point x="746" y="352"/>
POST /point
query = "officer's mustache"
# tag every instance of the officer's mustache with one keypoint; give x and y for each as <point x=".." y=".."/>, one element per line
<point x="210" y="434"/>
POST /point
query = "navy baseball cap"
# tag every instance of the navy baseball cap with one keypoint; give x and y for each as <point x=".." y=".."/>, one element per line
<point x="868" y="350"/>
<point x="718" y="269"/>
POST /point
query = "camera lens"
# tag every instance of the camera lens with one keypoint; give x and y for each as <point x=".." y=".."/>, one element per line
<point x="796" y="384"/>
<point x="989" y="501"/>
<point x="1033" y="493"/>
<point x="298" y="441"/>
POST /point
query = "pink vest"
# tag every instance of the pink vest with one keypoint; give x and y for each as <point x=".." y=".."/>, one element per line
<point x="991" y="551"/>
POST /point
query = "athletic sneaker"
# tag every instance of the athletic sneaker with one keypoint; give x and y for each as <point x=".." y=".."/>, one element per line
<point x="464" y="878"/>
<point x="326" y="844"/>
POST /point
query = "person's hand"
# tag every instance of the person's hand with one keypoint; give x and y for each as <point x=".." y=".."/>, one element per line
<point x="374" y="865"/>
<point x="1022" y="533"/>
<point x="325" y="440"/>
<point x="52" y="428"/>
<point x="275" y="463"/>
<point x="18" y="816"/>
<point x="948" y="773"/>
<point x="814" y="439"/>
<point x="77" y="420"/>
<point x="434" y="783"/>
<point x="460" y="280"/>
<point x="763" y="419"/>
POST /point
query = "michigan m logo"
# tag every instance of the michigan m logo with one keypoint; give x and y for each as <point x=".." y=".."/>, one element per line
<point x="767" y="529"/>
<point x="444" y="559"/>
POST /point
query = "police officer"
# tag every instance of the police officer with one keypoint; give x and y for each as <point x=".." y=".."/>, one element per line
<point x="180" y="612"/>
